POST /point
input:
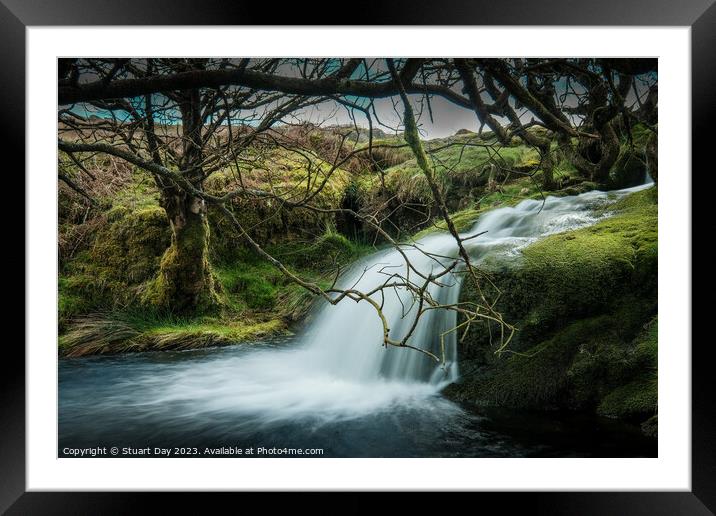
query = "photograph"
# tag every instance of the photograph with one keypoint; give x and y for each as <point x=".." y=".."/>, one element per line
<point x="384" y="257"/>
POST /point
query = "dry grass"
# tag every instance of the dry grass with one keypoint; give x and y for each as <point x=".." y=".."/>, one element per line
<point x="98" y="334"/>
<point x="113" y="333"/>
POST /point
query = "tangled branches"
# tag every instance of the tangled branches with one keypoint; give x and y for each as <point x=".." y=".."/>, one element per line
<point x="257" y="125"/>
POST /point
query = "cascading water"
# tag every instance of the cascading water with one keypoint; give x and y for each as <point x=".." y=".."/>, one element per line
<point x="336" y="371"/>
<point x="346" y="339"/>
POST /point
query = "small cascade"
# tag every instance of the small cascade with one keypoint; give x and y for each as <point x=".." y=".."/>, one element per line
<point x="345" y="340"/>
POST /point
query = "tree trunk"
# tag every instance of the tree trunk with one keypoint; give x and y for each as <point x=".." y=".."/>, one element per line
<point x="593" y="158"/>
<point x="548" y="182"/>
<point x="609" y="150"/>
<point x="185" y="283"/>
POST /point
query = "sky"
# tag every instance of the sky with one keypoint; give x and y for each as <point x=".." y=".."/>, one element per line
<point x="447" y="120"/>
<point x="447" y="117"/>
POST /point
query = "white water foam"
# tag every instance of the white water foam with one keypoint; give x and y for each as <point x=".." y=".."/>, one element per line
<point x="339" y="369"/>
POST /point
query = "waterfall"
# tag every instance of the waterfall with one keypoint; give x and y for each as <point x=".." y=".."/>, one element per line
<point x="346" y="339"/>
<point x="334" y="386"/>
<point x="338" y="369"/>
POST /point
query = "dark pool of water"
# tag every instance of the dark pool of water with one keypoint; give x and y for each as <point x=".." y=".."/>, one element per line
<point x="216" y="399"/>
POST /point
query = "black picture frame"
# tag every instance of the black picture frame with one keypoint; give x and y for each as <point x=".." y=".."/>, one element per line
<point x="16" y="15"/>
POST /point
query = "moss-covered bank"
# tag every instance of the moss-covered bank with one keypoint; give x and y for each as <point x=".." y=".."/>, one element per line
<point x="110" y="254"/>
<point x="102" y="291"/>
<point x="585" y="305"/>
<point x="110" y="263"/>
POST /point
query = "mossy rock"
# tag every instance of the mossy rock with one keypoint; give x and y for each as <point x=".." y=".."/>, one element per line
<point x="132" y="243"/>
<point x="630" y="401"/>
<point x="577" y="188"/>
<point x="327" y="252"/>
<point x="125" y="253"/>
<point x="584" y="305"/>
<point x="578" y="273"/>
<point x="638" y="398"/>
<point x="650" y="427"/>
<point x="577" y="367"/>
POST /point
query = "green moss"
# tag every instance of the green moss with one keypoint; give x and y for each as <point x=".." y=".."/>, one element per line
<point x="185" y="281"/>
<point x="631" y="164"/>
<point x="325" y="254"/>
<point x="576" y="189"/>
<point x="581" y="271"/>
<point x="573" y="275"/>
<point x="641" y="134"/>
<point x="650" y="427"/>
<point x="642" y="200"/>
<point x="463" y="220"/>
<point x="131" y="243"/>
<point x="577" y="367"/>
<point x="462" y="162"/>
<point x="629" y="168"/>
<point x="632" y="400"/>
<point x="124" y="253"/>
<point x="613" y="360"/>
<point x="538" y="378"/>
<point x="255" y="285"/>
<point x="584" y="303"/>
<point x="638" y="398"/>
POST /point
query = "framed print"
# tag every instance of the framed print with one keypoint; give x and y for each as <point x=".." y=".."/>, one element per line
<point x="394" y="257"/>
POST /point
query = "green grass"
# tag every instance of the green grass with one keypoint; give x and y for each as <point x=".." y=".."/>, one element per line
<point x="250" y="284"/>
<point x="140" y="193"/>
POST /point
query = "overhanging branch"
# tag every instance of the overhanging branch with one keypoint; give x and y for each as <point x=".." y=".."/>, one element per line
<point x="335" y="85"/>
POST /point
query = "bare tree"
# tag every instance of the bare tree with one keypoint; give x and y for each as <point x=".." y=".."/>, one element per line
<point x="182" y="120"/>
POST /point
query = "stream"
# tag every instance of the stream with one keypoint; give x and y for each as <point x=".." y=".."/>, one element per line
<point x="333" y="387"/>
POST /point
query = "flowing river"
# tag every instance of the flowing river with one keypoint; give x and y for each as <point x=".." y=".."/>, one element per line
<point x="333" y="387"/>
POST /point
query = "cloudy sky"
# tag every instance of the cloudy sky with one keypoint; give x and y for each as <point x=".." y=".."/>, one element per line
<point x="447" y="118"/>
